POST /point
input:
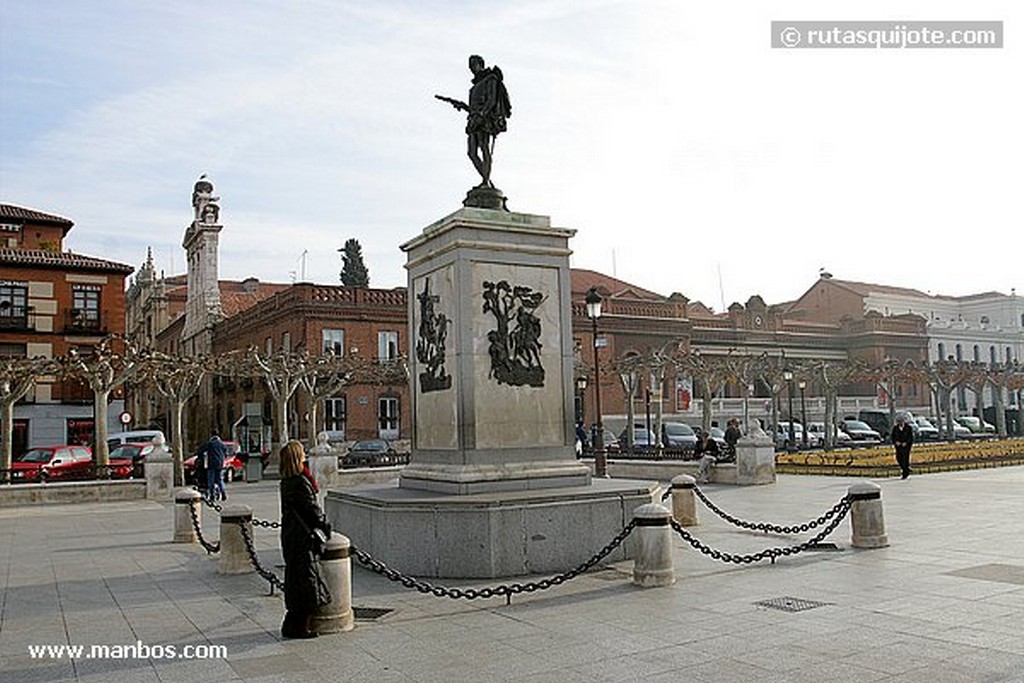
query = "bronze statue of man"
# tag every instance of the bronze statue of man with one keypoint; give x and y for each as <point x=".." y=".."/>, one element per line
<point x="488" y="109"/>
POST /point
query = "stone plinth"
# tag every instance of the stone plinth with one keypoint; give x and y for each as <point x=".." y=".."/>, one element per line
<point x="489" y="535"/>
<point x="336" y="571"/>
<point x="234" y="557"/>
<point x="755" y="461"/>
<point x="184" y="501"/>
<point x="491" y="355"/>
<point x="653" y="565"/>
<point x="867" y="519"/>
<point x="159" y="472"/>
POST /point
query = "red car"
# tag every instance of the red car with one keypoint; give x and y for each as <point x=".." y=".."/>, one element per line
<point x="47" y="463"/>
<point x="126" y="459"/>
<point x="233" y="465"/>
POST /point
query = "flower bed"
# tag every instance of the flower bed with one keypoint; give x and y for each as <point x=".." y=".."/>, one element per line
<point x="880" y="461"/>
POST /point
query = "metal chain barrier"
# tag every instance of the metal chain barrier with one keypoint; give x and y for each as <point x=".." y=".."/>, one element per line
<point x="266" y="524"/>
<point x="506" y="590"/>
<point x="209" y="547"/>
<point x="843" y="508"/>
<point x="766" y="527"/>
<point x="270" y="576"/>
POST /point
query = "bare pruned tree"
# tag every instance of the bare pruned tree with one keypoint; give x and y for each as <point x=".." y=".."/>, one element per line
<point x="103" y="369"/>
<point x="17" y="377"/>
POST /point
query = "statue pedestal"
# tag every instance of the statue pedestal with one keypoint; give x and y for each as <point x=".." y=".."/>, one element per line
<point x="493" y="487"/>
<point x="481" y="197"/>
<point x="491" y="367"/>
<point x="489" y="535"/>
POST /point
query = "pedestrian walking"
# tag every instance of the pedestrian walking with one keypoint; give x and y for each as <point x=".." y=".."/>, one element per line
<point x="213" y="453"/>
<point x="301" y="521"/>
<point x="902" y="439"/>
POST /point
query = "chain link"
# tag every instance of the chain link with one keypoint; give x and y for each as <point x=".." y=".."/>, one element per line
<point x="209" y="547"/>
<point x="767" y="527"/>
<point x="843" y="506"/>
<point x="270" y="576"/>
<point x="504" y="590"/>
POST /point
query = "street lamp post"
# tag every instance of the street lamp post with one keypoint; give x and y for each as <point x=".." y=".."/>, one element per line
<point x="791" y="445"/>
<point x="803" y="410"/>
<point x="600" y="457"/>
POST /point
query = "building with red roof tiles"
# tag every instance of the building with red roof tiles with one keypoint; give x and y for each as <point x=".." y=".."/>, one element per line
<point x="51" y="301"/>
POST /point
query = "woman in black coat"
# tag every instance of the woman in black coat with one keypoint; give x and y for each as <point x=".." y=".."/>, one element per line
<point x="304" y="589"/>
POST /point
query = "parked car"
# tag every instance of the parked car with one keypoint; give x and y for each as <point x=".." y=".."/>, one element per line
<point x="878" y="419"/>
<point x="782" y="436"/>
<point x="644" y="440"/>
<point x="138" y="436"/>
<point x="924" y="430"/>
<point x="959" y="431"/>
<point x="860" y="433"/>
<point x="976" y="425"/>
<point x="128" y="459"/>
<point x="369" y="453"/>
<point x="611" y="444"/>
<point x="234" y="465"/>
<point x="678" y="436"/>
<point x="47" y="463"/>
<point x="817" y="429"/>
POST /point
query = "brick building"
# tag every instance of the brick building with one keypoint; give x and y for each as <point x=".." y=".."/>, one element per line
<point x="51" y="301"/>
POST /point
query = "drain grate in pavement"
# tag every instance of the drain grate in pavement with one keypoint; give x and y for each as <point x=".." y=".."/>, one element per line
<point x="787" y="604"/>
<point x="370" y="613"/>
<point x="830" y="547"/>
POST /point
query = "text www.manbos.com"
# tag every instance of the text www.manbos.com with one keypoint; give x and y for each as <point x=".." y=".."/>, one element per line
<point x="138" y="650"/>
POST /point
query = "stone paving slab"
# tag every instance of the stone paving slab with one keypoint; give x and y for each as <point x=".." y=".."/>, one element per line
<point x="943" y="603"/>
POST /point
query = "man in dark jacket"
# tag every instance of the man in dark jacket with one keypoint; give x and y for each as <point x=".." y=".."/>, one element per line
<point x="213" y="452"/>
<point x="902" y="438"/>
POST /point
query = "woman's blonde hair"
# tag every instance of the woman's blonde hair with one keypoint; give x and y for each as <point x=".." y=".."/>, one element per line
<point x="292" y="455"/>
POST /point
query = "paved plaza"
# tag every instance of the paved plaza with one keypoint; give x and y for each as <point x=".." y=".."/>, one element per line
<point x="944" y="602"/>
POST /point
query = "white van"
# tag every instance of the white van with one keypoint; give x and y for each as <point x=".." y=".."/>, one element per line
<point x="140" y="436"/>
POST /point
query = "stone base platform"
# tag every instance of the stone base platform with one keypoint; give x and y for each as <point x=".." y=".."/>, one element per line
<point x="492" y="535"/>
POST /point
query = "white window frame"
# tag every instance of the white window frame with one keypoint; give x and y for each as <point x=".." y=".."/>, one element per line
<point x="331" y="416"/>
<point x="389" y="420"/>
<point x="333" y="341"/>
<point x="387" y="345"/>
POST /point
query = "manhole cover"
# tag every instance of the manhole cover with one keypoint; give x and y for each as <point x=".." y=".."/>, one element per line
<point x="788" y="604"/>
<point x="370" y="613"/>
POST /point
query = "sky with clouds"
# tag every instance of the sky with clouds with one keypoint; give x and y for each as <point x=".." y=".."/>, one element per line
<point x="688" y="154"/>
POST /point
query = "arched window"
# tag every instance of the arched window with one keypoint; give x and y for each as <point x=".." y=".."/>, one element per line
<point x="942" y="351"/>
<point x="993" y="358"/>
<point x="959" y="353"/>
<point x="977" y="353"/>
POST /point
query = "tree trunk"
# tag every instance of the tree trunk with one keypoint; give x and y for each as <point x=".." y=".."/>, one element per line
<point x="282" y="420"/>
<point x="101" y="454"/>
<point x="7" y="437"/>
<point x="178" y="442"/>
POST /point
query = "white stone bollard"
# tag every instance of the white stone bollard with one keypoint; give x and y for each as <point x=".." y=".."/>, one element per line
<point x="652" y="566"/>
<point x="336" y="571"/>
<point x="184" y="499"/>
<point x="158" y="468"/>
<point x="234" y="558"/>
<point x="684" y="500"/>
<point x="866" y="516"/>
